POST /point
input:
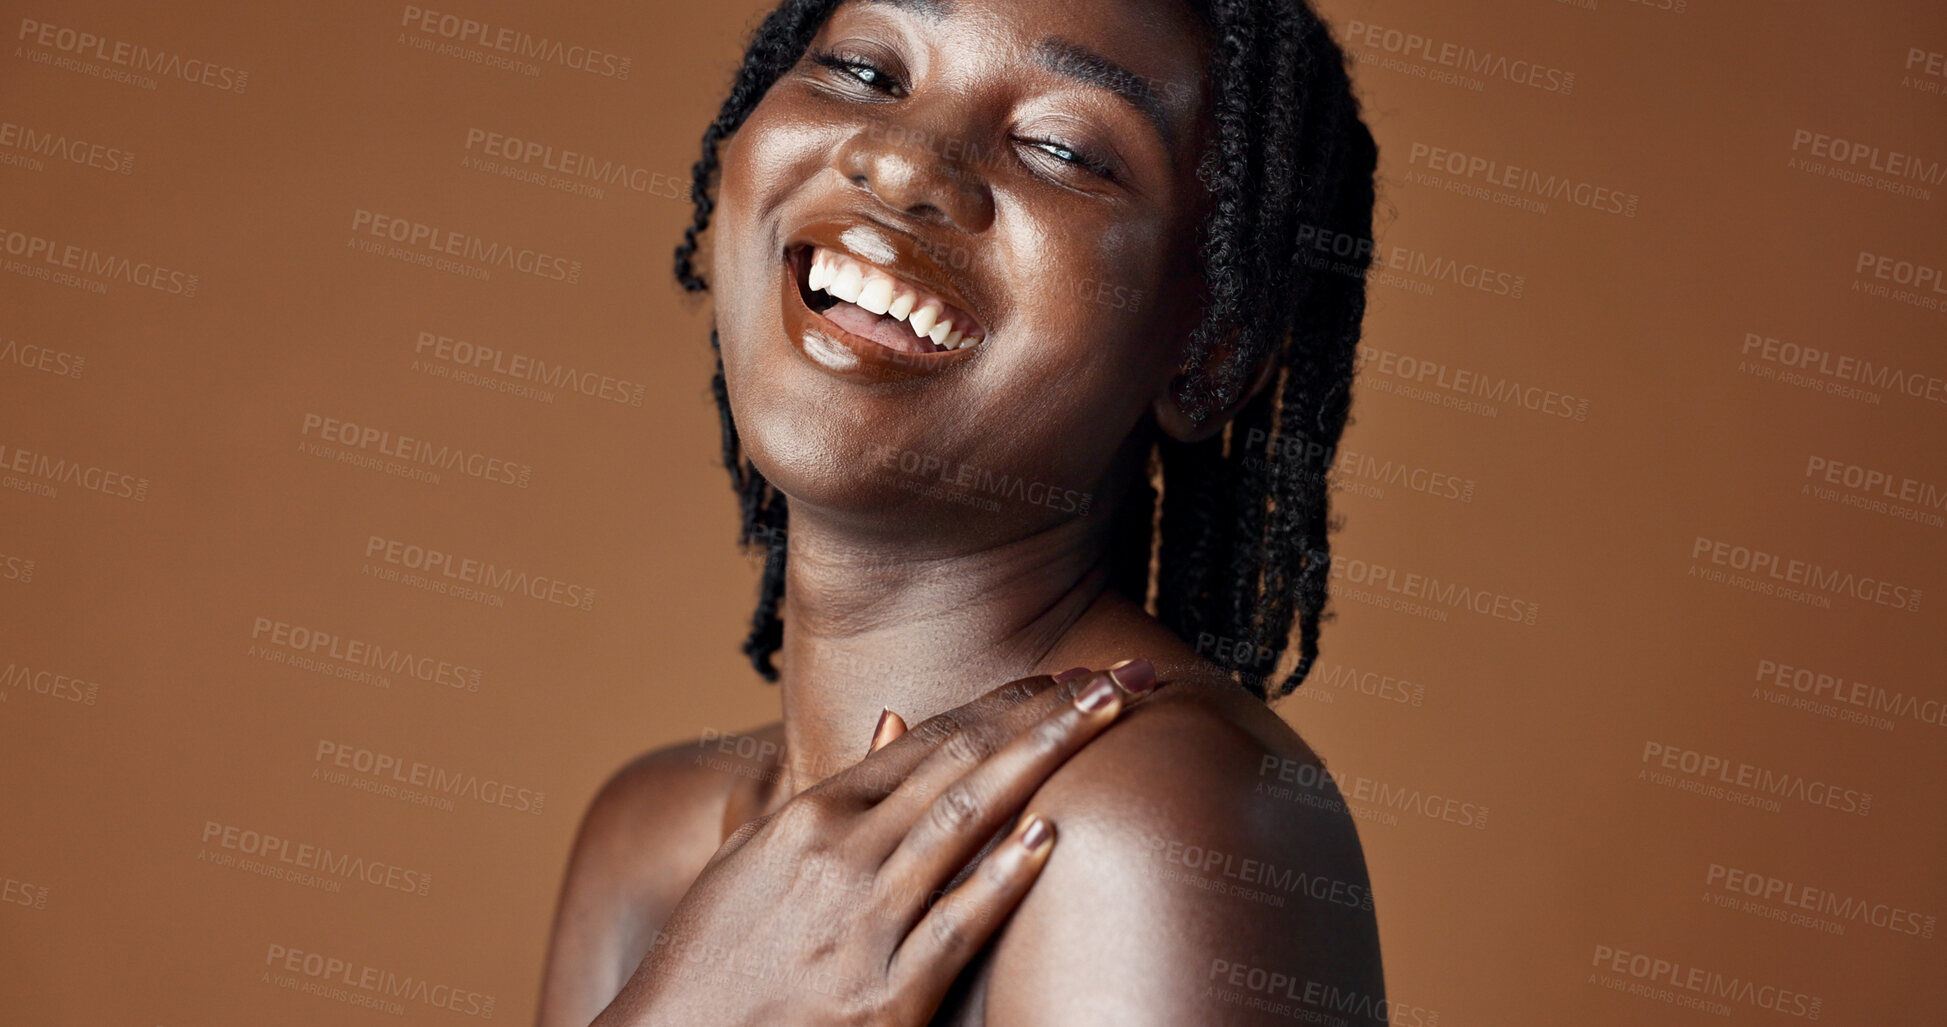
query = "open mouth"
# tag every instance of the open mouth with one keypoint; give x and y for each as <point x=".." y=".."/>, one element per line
<point x="868" y="302"/>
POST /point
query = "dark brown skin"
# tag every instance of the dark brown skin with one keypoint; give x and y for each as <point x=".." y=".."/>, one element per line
<point x="900" y="599"/>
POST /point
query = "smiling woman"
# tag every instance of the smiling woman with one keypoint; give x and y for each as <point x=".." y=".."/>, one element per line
<point x="964" y="255"/>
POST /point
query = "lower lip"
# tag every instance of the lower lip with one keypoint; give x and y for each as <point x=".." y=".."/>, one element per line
<point x="818" y="339"/>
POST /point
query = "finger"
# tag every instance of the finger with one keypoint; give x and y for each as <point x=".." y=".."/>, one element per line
<point x="978" y="740"/>
<point x="882" y="770"/>
<point x="891" y="726"/>
<point x="959" y="925"/>
<point x="969" y="811"/>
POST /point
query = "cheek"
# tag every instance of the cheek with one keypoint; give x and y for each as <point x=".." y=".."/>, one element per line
<point x="766" y="162"/>
<point x="1088" y="298"/>
<point x="735" y="236"/>
<point x="1083" y="357"/>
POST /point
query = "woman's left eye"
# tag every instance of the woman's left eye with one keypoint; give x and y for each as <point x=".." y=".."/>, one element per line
<point x="1072" y="155"/>
<point x="868" y="74"/>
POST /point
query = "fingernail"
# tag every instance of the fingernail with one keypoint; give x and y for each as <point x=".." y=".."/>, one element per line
<point x="1135" y="676"/>
<point x="1037" y="833"/>
<point x="879" y="730"/>
<point x="1070" y="674"/>
<point x="1097" y="695"/>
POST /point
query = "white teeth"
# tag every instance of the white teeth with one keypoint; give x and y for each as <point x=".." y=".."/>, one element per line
<point x="847" y="283"/>
<point x="877" y="294"/>
<point x="923" y="318"/>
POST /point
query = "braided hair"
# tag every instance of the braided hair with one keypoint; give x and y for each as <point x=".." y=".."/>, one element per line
<point x="1239" y="545"/>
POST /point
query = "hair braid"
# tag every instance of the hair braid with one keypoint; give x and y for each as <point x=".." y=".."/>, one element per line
<point x="776" y="45"/>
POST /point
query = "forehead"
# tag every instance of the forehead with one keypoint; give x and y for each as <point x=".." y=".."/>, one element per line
<point x="1150" y="53"/>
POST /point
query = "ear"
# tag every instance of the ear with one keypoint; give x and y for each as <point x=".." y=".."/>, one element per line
<point x="1173" y="410"/>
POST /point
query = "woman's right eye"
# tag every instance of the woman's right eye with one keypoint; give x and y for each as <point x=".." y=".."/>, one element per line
<point x="860" y="69"/>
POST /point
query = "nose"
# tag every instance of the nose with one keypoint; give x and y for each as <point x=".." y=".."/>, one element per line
<point x="919" y="171"/>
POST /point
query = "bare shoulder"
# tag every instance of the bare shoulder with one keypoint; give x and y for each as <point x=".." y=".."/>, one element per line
<point x="1187" y="885"/>
<point x="645" y="836"/>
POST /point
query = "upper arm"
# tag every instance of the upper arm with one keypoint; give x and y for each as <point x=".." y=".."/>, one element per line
<point x="640" y="844"/>
<point x="1187" y="896"/>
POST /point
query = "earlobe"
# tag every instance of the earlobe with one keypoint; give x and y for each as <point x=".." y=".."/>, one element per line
<point x="1174" y="417"/>
<point x="1175" y="409"/>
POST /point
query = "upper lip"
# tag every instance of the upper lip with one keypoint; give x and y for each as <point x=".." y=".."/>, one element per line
<point x="910" y="260"/>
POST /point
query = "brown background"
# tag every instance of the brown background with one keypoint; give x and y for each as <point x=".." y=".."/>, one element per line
<point x="120" y="909"/>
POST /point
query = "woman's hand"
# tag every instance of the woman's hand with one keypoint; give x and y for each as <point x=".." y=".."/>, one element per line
<point x="844" y="906"/>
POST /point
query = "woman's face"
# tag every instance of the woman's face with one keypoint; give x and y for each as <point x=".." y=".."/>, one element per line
<point x="1024" y="167"/>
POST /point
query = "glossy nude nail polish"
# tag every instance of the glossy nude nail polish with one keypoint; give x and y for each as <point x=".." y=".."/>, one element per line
<point x="879" y="730"/>
<point x="1037" y="833"/>
<point x="1096" y="695"/>
<point x="1137" y="676"/>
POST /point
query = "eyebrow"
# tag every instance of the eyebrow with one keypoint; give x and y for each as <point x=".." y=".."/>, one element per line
<point x="1073" y="61"/>
<point x="1077" y="62"/>
<point x="931" y="10"/>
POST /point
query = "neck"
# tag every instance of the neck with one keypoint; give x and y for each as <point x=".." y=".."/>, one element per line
<point x="918" y="634"/>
